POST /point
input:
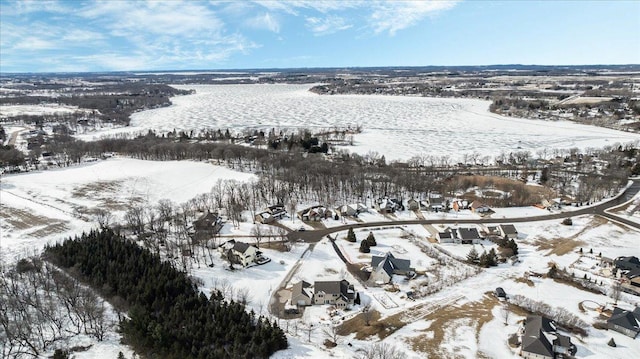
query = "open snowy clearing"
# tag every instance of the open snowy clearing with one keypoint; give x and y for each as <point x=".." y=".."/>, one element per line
<point x="397" y="126"/>
<point x="50" y="205"/>
<point x="38" y="110"/>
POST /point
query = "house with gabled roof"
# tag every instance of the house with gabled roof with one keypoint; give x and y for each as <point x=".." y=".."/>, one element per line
<point x="389" y="205"/>
<point x="244" y="254"/>
<point x="384" y="267"/>
<point x="207" y="225"/>
<point x="447" y="236"/>
<point x="338" y="293"/>
<point x="302" y="294"/>
<point x="315" y="213"/>
<point x="277" y="211"/>
<point x="468" y="235"/>
<point x="436" y="203"/>
<point x="541" y="340"/>
<point x="480" y="208"/>
<point x="508" y="230"/>
<point x="353" y="209"/>
<point x="625" y="322"/>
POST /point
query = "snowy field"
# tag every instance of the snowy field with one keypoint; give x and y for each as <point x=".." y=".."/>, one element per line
<point x="397" y="126"/>
<point x="37" y="110"/>
<point x="40" y="206"/>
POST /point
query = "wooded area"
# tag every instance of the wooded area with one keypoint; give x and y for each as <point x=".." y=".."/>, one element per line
<point x="168" y="317"/>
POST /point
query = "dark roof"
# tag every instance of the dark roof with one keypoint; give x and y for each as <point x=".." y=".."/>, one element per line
<point x="335" y="287"/>
<point x="534" y="340"/>
<point x="500" y="292"/>
<point x="390" y="263"/>
<point x="445" y="234"/>
<point x="206" y="220"/>
<point x="625" y="319"/>
<point x="628" y="263"/>
<point x="508" y="229"/>
<point x="562" y="340"/>
<point x="241" y="247"/>
<point x="468" y="233"/>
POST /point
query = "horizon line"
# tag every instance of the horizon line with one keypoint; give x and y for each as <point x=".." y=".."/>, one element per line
<point x="248" y="69"/>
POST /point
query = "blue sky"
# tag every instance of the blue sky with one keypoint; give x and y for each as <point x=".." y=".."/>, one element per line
<point x="116" y="35"/>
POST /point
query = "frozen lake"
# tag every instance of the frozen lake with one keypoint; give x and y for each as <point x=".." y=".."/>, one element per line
<point x="398" y="127"/>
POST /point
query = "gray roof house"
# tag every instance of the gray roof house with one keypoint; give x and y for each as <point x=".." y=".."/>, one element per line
<point x="468" y="235"/>
<point x="508" y="230"/>
<point x="301" y="294"/>
<point x="541" y="340"/>
<point x="339" y="293"/>
<point x="383" y="268"/>
<point x="627" y="263"/>
<point x="625" y="322"/>
<point x="446" y="236"/>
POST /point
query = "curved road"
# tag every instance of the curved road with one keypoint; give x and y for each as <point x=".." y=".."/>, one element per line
<point x="313" y="236"/>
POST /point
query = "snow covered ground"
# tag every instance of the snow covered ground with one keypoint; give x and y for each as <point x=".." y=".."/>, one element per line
<point x="397" y="126"/>
<point x="37" y="110"/>
<point x="41" y="206"/>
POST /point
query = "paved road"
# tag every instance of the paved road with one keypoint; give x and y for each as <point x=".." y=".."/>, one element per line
<point x="312" y="236"/>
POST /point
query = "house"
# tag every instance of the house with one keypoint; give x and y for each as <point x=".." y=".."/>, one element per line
<point x="480" y="208"/>
<point x="302" y="294"/>
<point x="625" y="322"/>
<point x="493" y="231"/>
<point x="265" y="217"/>
<point x="316" y="213"/>
<point x="338" y="293"/>
<point x="508" y="230"/>
<point x="627" y="263"/>
<point x="447" y="236"/>
<point x="468" y="236"/>
<point x="541" y="340"/>
<point x="352" y="210"/>
<point x="383" y="268"/>
<point x="243" y="253"/>
<point x="389" y="205"/>
<point x="207" y="225"/>
<point x="553" y="205"/>
<point x="436" y="204"/>
<point x="277" y="211"/>
<point x="414" y="205"/>
<point x="628" y="269"/>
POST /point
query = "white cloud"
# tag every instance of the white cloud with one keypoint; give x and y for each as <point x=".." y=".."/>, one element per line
<point x="17" y="8"/>
<point x="265" y="21"/>
<point x="327" y="25"/>
<point x="392" y="16"/>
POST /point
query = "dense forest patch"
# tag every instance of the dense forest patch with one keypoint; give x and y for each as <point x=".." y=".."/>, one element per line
<point x="168" y="317"/>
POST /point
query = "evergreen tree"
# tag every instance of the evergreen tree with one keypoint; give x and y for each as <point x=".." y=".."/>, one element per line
<point x="472" y="256"/>
<point x="514" y="247"/>
<point x="371" y="240"/>
<point x="492" y="258"/>
<point x="351" y="236"/>
<point x="553" y="271"/>
<point x="364" y="247"/>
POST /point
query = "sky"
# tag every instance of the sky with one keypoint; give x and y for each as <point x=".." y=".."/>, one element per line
<point x="120" y="35"/>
